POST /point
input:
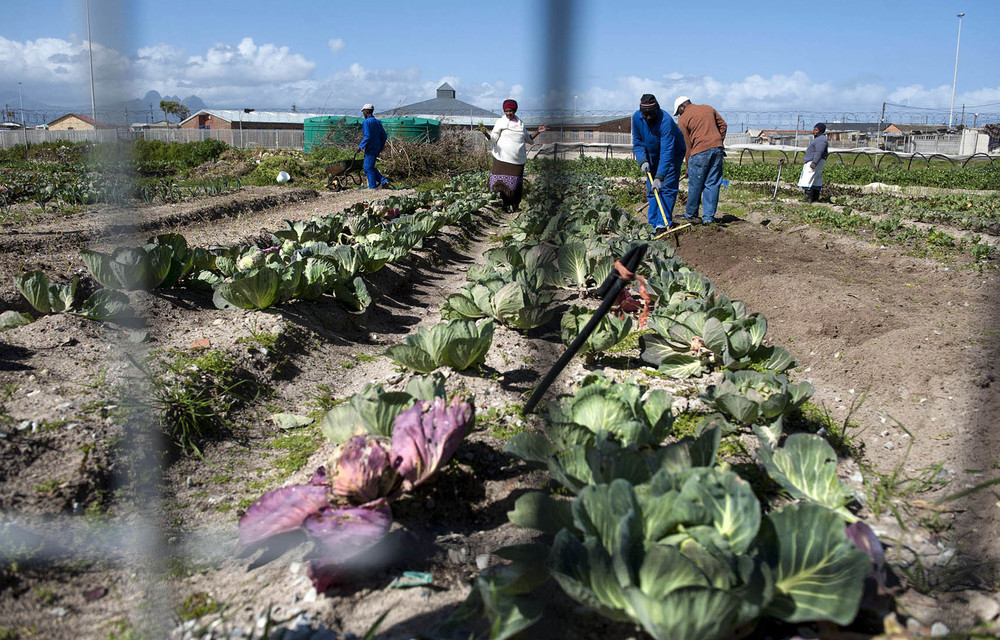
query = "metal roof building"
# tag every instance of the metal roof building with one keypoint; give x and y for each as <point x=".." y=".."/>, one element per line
<point x="445" y="108"/>
<point x="240" y="118"/>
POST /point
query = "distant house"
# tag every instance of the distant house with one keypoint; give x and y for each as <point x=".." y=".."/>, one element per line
<point x="246" y="120"/>
<point x="915" y="129"/>
<point x="856" y="132"/>
<point x="779" y="136"/>
<point x="77" y="122"/>
<point x="445" y="108"/>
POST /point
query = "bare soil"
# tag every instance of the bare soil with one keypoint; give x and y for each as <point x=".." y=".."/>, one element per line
<point x="109" y="545"/>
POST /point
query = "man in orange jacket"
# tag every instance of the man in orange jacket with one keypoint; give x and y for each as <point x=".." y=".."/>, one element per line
<point x="704" y="135"/>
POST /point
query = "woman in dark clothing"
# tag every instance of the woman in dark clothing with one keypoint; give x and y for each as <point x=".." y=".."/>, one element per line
<point x="811" y="179"/>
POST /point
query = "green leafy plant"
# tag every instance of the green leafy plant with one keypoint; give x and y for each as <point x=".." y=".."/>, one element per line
<point x="257" y="288"/>
<point x="694" y="336"/>
<point x="130" y="268"/>
<point x="609" y="331"/>
<point x="458" y="344"/>
<point x="689" y="555"/>
<point x="806" y="467"/>
<point x="751" y="398"/>
<point x="11" y="319"/>
<point x="513" y="304"/>
<point x="373" y="410"/>
<point x="106" y="304"/>
<point x="44" y="296"/>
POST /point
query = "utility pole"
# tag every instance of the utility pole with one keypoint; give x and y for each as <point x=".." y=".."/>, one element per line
<point x="881" y="119"/>
<point x="24" y="132"/>
<point x="963" y="115"/>
<point x="90" y="47"/>
<point x="954" y="82"/>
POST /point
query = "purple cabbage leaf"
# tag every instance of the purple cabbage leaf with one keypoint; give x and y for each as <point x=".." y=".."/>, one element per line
<point x="281" y="511"/>
<point x="342" y="537"/>
<point x="426" y="436"/>
<point x="361" y="471"/>
<point x="865" y="539"/>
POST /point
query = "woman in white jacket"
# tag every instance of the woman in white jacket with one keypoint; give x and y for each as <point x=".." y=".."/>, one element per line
<point x="510" y="151"/>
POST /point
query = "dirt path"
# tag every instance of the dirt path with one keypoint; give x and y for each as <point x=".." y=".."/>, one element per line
<point x="922" y="338"/>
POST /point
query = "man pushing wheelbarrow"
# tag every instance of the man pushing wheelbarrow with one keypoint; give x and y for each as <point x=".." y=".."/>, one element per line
<point x="372" y="142"/>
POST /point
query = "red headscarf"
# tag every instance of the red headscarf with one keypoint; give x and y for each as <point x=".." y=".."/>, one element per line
<point x="510" y="103"/>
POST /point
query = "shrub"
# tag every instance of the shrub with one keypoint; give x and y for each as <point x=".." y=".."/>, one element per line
<point x="183" y="156"/>
<point x="269" y="166"/>
<point x="453" y="153"/>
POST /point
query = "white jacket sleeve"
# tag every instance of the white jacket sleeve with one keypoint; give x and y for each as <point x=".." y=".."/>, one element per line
<point x="498" y="128"/>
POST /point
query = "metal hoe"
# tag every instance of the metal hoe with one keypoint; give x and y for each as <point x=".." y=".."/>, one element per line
<point x="663" y="216"/>
<point x="609" y="290"/>
<point x="781" y="163"/>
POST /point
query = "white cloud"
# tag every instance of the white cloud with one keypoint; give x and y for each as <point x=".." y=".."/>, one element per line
<point x="753" y="93"/>
<point x="270" y="75"/>
<point x="247" y="64"/>
<point x="56" y="61"/>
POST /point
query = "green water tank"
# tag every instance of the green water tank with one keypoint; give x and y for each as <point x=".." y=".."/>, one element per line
<point x="414" y="129"/>
<point x="331" y="130"/>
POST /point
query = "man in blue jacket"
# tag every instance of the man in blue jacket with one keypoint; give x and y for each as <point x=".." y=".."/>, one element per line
<point x="658" y="146"/>
<point x="372" y="142"/>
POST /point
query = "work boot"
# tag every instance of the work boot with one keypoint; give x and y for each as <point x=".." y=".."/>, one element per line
<point x="806" y="195"/>
<point x="814" y="195"/>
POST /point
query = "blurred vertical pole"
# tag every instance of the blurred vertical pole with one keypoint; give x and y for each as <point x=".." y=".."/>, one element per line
<point x="557" y="44"/>
<point x="144" y="553"/>
<point x="559" y="41"/>
<point x="90" y="48"/>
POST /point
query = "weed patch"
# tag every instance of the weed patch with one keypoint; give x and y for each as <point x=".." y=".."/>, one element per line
<point x="297" y="450"/>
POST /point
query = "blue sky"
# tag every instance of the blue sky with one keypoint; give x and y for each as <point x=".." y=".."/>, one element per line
<point x="760" y="56"/>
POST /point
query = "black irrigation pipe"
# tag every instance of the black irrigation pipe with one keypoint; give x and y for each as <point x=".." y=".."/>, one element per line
<point x="609" y="289"/>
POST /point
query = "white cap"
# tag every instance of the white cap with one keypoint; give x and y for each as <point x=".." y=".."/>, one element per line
<point x="679" y="101"/>
<point x="368" y="107"/>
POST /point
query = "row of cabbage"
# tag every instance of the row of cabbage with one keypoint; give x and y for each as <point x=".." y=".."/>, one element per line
<point x="667" y="535"/>
<point x="306" y="259"/>
<point x="660" y="531"/>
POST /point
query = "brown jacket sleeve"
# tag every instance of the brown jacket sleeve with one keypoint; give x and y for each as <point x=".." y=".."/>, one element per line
<point x="721" y="124"/>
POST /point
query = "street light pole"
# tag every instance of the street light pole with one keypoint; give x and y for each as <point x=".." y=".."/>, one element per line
<point x="90" y="47"/>
<point x="24" y="131"/>
<point x="954" y="82"/>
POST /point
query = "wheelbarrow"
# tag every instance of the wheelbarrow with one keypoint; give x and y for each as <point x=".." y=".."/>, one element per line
<point x="341" y="173"/>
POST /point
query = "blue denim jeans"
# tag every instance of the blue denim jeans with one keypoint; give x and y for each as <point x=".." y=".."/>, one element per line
<point x="375" y="179"/>
<point x="668" y="196"/>
<point x="704" y="179"/>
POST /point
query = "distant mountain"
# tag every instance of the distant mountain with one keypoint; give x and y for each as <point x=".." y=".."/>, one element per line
<point x="12" y="101"/>
<point x="145" y="109"/>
